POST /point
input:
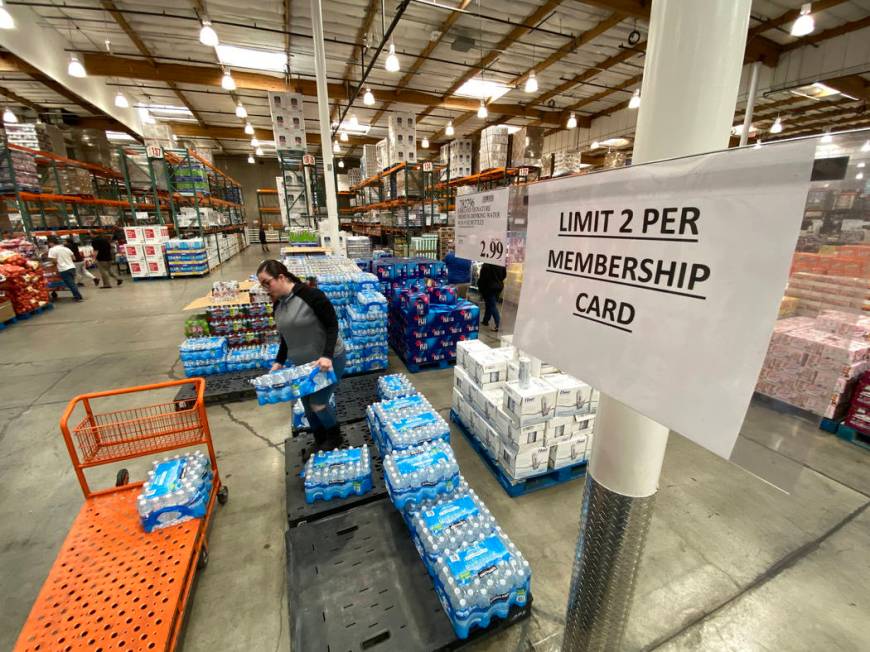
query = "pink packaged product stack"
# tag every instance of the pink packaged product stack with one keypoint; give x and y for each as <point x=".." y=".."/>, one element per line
<point x="859" y="408"/>
<point x="812" y="363"/>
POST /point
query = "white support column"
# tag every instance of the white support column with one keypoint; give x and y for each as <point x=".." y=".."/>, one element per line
<point x="329" y="229"/>
<point x="750" y="103"/>
<point x="691" y="77"/>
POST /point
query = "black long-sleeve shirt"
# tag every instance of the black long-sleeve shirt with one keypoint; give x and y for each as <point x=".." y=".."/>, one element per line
<point x="308" y="326"/>
<point x="491" y="279"/>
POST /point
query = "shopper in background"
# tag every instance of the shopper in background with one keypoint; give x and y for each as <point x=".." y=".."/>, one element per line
<point x="458" y="272"/>
<point x="7" y="235"/>
<point x="490" y="283"/>
<point x="66" y="266"/>
<point x="308" y="326"/>
<point x="81" y="268"/>
<point x="264" y="246"/>
<point x="105" y="255"/>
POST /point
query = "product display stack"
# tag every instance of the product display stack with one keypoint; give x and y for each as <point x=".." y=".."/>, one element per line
<point x="457" y="158"/>
<point x="24" y="285"/>
<point x="528" y="417"/>
<point x="186" y="257"/>
<point x="427" y="317"/>
<point x="402" y="138"/>
<point x="813" y="363"/>
<point x="208" y="356"/>
<point x="359" y="305"/>
<point x="288" y="120"/>
<point x="359" y="247"/>
<point x="369" y="164"/>
<point x="494" y="142"/>
<point x="18" y="170"/>
<point x="527" y="147"/>
<point x="146" y="250"/>
<point x="190" y="178"/>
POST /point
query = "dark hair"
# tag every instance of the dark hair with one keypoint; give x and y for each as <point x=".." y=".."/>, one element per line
<point x="53" y="239"/>
<point x="276" y="268"/>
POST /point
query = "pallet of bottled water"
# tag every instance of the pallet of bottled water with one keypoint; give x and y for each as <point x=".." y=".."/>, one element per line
<point x="481" y="580"/>
<point x="202" y="349"/>
<point x="395" y="386"/>
<point x="177" y="490"/>
<point x="250" y="357"/>
<point x="409" y="421"/>
<point x="420" y="473"/>
<point x="291" y="383"/>
<point x="337" y="474"/>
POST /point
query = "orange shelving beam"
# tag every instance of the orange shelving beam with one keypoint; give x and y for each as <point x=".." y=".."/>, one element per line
<point x="93" y="167"/>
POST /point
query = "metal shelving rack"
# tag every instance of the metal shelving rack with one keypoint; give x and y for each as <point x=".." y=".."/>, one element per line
<point x="303" y="187"/>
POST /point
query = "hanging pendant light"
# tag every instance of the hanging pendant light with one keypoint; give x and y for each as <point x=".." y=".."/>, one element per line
<point x="368" y="98"/>
<point x="572" y="121"/>
<point x="75" y="67"/>
<point x="6" y="20"/>
<point x="531" y="83"/>
<point x="341" y="163"/>
<point x="249" y="129"/>
<point x="121" y="101"/>
<point x="595" y="145"/>
<point x="255" y="143"/>
<point x="634" y="102"/>
<point x="392" y="62"/>
<point x="343" y="137"/>
<point x="827" y="137"/>
<point x="250" y="158"/>
<point x="259" y="151"/>
<point x="10" y="117"/>
<point x="424" y="143"/>
<point x="482" y="111"/>
<point x="207" y="35"/>
<point x="354" y="121"/>
<point x="449" y="130"/>
<point x="805" y="24"/>
<point x="776" y="127"/>
<point x="241" y="111"/>
<point x="336" y="147"/>
<point x="227" y="81"/>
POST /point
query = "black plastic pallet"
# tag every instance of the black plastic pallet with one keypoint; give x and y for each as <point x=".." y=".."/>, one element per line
<point x="357" y="583"/>
<point x="353" y="396"/>
<point x="221" y="388"/>
<point x="298" y="511"/>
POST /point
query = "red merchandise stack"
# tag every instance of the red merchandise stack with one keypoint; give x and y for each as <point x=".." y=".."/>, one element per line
<point x="24" y="284"/>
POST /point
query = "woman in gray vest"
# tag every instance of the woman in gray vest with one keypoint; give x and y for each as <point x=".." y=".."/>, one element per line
<point x="308" y="327"/>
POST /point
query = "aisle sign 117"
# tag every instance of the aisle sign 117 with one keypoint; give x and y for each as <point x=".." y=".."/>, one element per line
<point x="481" y="226"/>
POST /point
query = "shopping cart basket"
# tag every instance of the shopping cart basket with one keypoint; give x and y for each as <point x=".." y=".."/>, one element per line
<point x="113" y="586"/>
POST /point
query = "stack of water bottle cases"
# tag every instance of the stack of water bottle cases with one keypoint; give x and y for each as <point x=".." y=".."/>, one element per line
<point x="177" y="490"/>
<point x="478" y="573"/>
<point x="360" y="306"/>
<point x="427" y="318"/>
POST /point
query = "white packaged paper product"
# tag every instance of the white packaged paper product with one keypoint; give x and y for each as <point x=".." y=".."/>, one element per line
<point x="462" y="381"/>
<point x="487" y="368"/>
<point x="493" y="397"/>
<point x="457" y="401"/>
<point x="585" y="422"/>
<point x="513" y="370"/>
<point x="465" y="411"/>
<point x="524" y="462"/>
<point x="475" y="398"/>
<point x="501" y="422"/>
<point x="560" y="428"/>
<point x="463" y="348"/>
<point x="570" y="451"/>
<point x="527" y="436"/>
<point x="493" y="441"/>
<point x="506" y="340"/>
<point x="479" y="424"/>
<point x="572" y="395"/>
<point x="534" y="403"/>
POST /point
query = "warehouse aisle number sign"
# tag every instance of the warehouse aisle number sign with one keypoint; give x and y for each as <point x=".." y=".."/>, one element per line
<point x="659" y="284"/>
<point x="481" y="226"/>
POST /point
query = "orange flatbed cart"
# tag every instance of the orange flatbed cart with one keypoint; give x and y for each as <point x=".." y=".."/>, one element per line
<point x="113" y="586"/>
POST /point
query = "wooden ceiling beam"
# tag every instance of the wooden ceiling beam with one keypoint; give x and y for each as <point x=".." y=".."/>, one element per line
<point x="188" y="130"/>
<point x="853" y="85"/>
<point x="813" y="39"/>
<point x="356" y="54"/>
<point x="633" y="8"/>
<point x="15" y="97"/>
<point x="791" y="15"/>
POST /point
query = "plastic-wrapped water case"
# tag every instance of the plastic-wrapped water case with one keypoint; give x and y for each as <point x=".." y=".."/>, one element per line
<point x="420" y="473"/>
<point x="482" y="580"/>
<point x="196" y="368"/>
<point x="395" y="386"/>
<point x="177" y="489"/>
<point x="379" y="413"/>
<point x="202" y="348"/>
<point x="291" y="383"/>
<point x="337" y="474"/>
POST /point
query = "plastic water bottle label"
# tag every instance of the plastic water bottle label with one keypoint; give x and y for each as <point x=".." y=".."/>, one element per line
<point x="337" y="458"/>
<point x="421" y="461"/>
<point x="450" y="514"/>
<point x="405" y="402"/>
<point x="417" y="421"/>
<point x="477" y="560"/>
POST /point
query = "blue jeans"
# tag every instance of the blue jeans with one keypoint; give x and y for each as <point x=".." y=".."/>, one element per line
<point x="490" y="301"/>
<point x="68" y="276"/>
<point x="318" y="411"/>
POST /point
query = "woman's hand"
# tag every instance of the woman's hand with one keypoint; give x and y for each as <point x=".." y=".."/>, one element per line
<point x="276" y="366"/>
<point x="325" y="364"/>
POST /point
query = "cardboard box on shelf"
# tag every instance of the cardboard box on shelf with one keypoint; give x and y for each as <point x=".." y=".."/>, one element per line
<point x="7" y="312"/>
<point x="570" y="451"/>
<point x="134" y="251"/>
<point x="531" y="404"/>
<point x="138" y="268"/>
<point x="525" y="436"/>
<point x="572" y="395"/>
<point x="154" y="234"/>
<point x="134" y="235"/>
<point x="486" y="368"/>
<point x="463" y="348"/>
<point x="524" y="462"/>
<point x="153" y="251"/>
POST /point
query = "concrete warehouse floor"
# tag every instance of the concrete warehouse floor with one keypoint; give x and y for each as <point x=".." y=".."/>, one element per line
<point x="731" y="562"/>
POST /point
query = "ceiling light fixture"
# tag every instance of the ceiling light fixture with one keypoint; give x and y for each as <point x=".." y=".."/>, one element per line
<point x="572" y="121"/>
<point x="249" y="129"/>
<point x="449" y="130"/>
<point x="254" y="142"/>
<point x="241" y="111"/>
<point x="121" y="101"/>
<point x="634" y="102"/>
<point x="595" y="145"/>
<point x="75" y="67"/>
<point x="336" y="147"/>
<point x="776" y="127"/>
<point x="174" y="138"/>
<point x="368" y="98"/>
<point x="531" y="83"/>
<point x="207" y="35"/>
<point x="8" y="116"/>
<point x="6" y="20"/>
<point x="227" y="81"/>
<point x="250" y="158"/>
<point x="826" y="137"/>
<point x="482" y="111"/>
<point x="259" y="151"/>
<point x="424" y="143"/>
<point x="343" y="137"/>
<point x="392" y="62"/>
<point x="354" y="121"/>
<point x="341" y="163"/>
<point x="805" y="24"/>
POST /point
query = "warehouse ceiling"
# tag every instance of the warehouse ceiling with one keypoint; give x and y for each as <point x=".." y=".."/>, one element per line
<point x="587" y="57"/>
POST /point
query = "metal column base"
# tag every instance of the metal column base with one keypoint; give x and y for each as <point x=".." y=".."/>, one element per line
<point x="613" y="530"/>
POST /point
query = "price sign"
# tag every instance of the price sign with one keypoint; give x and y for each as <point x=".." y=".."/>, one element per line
<point x="154" y="151"/>
<point x="307" y="159"/>
<point x="427" y="166"/>
<point x="524" y="172"/>
<point x="481" y="226"/>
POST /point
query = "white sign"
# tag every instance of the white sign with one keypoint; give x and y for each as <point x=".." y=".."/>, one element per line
<point x="154" y="151"/>
<point x="659" y="284"/>
<point x="307" y="159"/>
<point x="427" y="166"/>
<point x="481" y="226"/>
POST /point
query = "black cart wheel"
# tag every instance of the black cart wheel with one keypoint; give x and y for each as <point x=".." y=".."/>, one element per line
<point x="202" y="562"/>
<point x="223" y="495"/>
<point x="122" y="478"/>
<point x="54" y="296"/>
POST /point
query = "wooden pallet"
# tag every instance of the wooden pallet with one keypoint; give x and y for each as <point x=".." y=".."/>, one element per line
<point x="513" y="487"/>
<point x="852" y="436"/>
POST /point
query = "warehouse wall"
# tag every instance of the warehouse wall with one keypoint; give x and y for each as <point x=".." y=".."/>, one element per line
<point x="259" y="175"/>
